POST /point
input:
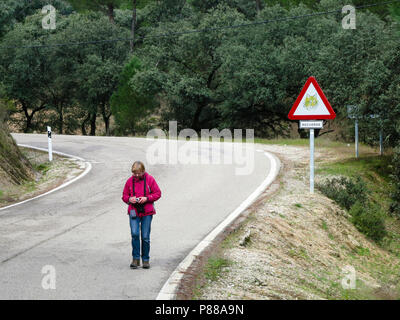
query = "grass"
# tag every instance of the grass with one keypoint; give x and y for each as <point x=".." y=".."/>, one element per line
<point x="374" y="170"/>
<point x="233" y="238"/>
<point x="369" y="166"/>
<point x="214" y="267"/>
<point x="363" y="251"/>
<point x="212" y="271"/>
<point x="298" y="253"/>
<point x="13" y="193"/>
<point x="321" y="143"/>
<point x="324" y="226"/>
<point x="43" y="167"/>
<point x="335" y="290"/>
<point x="360" y="292"/>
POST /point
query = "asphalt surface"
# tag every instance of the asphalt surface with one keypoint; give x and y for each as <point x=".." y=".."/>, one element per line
<point x="82" y="231"/>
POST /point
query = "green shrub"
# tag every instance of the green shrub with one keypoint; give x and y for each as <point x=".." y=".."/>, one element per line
<point x="345" y="191"/>
<point x="214" y="267"/>
<point x="368" y="219"/>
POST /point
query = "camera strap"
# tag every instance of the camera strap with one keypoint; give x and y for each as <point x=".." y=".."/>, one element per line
<point x="133" y="186"/>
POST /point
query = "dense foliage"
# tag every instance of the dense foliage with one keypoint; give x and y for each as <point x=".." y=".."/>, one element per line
<point x="354" y="196"/>
<point x="222" y="78"/>
<point x="345" y="191"/>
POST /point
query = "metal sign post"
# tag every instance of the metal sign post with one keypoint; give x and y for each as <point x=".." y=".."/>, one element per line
<point x="380" y="136"/>
<point x="353" y="112"/>
<point x="315" y="124"/>
<point x="312" y="105"/>
<point x="49" y="143"/>
<point x="356" y="136"/>
<point x="311" y="161"/>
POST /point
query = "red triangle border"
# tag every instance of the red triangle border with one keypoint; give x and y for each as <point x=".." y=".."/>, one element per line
<point x="331" y="115"/>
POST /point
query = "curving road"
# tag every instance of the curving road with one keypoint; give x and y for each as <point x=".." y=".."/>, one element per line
<point x="83" y="231"/>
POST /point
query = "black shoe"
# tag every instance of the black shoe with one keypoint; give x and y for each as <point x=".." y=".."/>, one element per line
<point x="135" y="264"/>
<point x="146" y="264"/>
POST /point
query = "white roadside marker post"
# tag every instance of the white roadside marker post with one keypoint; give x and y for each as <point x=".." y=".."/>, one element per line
<point x="49" y="144"/>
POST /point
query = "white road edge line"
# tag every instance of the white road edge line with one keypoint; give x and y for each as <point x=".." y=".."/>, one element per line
<point x="169" y="290"/>
<point x="88" y="166"/>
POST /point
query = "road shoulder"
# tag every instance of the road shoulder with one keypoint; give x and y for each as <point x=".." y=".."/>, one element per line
<point x="48" y="176"/>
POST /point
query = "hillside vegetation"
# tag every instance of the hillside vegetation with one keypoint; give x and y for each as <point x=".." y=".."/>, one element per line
<point x="296" y="245"/>
<point x="15" y="169"/>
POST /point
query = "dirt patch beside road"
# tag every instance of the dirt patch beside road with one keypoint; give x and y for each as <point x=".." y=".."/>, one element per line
<point x="293" y="245"/>
<point x="48" y="175"/>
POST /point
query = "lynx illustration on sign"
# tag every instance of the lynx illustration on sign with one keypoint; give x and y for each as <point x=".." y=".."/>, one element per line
<point x="311" y="104"/>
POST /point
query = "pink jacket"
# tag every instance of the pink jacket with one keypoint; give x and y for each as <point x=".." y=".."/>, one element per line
<point x="153" y="193"/>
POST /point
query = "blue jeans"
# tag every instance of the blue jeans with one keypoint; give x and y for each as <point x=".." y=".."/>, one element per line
<point x="145" y="226"/>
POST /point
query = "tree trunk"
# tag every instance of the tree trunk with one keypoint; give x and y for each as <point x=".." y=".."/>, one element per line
<point x="258" y="6"/>
<point x="29" y="117"/>
<point x="83" y="125"/>
<point x="93" y="124"/>
<point x="196" y="119"/>
<point x="107" y="123"/>
<point x="133" y="27"/>
<point x="60" y="120"/>
<point x="28" y="127"/>
<point x="106" y="117"/>
<point x="110" y="12"/>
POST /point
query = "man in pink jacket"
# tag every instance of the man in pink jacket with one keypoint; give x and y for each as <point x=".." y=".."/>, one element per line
<point x="140" y="193"/>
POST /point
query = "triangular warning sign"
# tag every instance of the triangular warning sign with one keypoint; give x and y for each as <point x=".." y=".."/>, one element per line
<point x="311" y="104"/>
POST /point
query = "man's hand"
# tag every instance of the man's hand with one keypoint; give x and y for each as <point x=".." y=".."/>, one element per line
<point x="142" y="199"/>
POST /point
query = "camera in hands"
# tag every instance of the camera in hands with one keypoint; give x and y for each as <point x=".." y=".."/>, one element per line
<point x="139" y="206"/>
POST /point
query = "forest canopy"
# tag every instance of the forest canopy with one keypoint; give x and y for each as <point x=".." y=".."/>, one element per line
<point x="125" y="66"/>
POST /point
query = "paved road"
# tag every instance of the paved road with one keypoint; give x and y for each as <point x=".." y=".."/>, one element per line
<point x="83" y="231"/>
